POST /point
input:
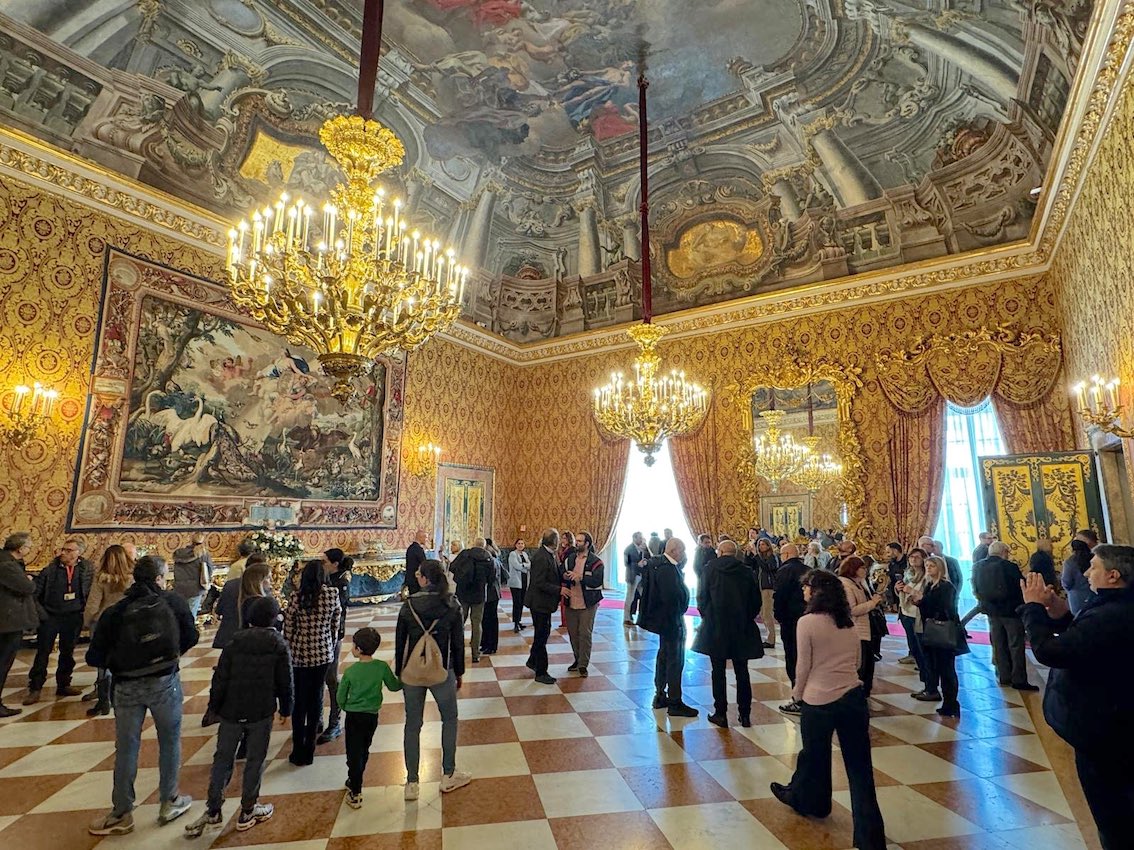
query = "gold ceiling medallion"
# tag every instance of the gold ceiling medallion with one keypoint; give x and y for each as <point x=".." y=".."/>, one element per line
<point x="789" y="372"/>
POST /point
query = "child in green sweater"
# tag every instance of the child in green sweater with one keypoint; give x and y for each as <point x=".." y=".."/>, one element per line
<point x="360" y="698"/>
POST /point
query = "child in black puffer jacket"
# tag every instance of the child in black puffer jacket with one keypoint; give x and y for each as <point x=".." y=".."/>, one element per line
<point x="251" y="678"/>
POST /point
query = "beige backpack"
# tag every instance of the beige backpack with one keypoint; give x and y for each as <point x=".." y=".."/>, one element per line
<point x="423" y="664"/>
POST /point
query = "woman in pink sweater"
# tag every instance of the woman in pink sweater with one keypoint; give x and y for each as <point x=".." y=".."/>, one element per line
<point x="828" y="688"/>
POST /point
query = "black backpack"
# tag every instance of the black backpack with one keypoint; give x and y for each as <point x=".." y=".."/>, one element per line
<point x="993" y="583"/>
<point x="149" y="639"/>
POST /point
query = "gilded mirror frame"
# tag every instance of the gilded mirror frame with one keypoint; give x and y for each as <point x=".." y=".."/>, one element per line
<point x="787" y="373"/>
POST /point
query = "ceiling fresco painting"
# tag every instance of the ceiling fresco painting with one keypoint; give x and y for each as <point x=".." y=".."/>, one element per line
<point x="792" y="141"/>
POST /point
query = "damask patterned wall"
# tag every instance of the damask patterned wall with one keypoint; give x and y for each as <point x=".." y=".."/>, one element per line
<point x="51" y="256"/>
<point x="542" y="474"/>
<point x="1093" y="270"/>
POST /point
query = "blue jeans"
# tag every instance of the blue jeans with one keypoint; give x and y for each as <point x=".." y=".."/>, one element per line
<point x="445" y="695"/>
<point x="913" y="639"/>
<point x="163" y="697"/>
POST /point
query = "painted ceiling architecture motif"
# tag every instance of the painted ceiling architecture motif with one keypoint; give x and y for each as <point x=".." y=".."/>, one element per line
<point x="793" y="141"/>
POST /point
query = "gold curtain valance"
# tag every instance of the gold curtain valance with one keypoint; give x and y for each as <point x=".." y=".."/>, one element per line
<point x="965" y="368"/>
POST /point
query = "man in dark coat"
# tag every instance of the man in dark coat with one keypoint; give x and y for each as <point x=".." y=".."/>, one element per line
<point x="17" y="606"/>
<point x="705" y="553"/>
<point x="788" y="607"/>
<point x="728" y="598"/>
<point x="996" y="583"/>
<point x="472" y="571"/>
<point x="61" y="591"/>
<point x="415" y="557"/>
<point x="664" y="603"/>
<point x="545" y="584"/>
<point x="1089" y="700"/>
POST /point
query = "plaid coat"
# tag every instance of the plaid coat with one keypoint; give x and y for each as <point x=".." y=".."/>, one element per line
<point x="311" y="632"/>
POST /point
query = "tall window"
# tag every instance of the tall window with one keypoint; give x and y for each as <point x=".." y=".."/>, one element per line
<point x="650" y="502"/>
<point x="971" y="432"/>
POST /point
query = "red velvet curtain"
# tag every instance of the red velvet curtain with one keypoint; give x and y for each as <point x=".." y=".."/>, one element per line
<point x="696" y="466"/>
<point x="1044" y="426"/>
<point x="917" y="460"/>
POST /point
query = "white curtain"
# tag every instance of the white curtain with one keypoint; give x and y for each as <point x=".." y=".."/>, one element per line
<point x="971" y="433"/>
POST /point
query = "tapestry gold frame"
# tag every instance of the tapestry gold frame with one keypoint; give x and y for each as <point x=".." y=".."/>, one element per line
<point x="795" y="371"/>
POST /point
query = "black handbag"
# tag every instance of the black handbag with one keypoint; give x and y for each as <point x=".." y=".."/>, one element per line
<point x="944" y="634"/>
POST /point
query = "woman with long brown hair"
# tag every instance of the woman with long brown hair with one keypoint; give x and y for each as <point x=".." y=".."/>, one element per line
<point x="237" y="596"/>
<point x="113" y="575"/>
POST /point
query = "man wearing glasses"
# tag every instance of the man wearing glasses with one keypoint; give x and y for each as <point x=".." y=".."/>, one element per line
<point x="61" y="590"/>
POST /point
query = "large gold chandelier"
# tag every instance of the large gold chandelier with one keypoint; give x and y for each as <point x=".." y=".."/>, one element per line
<point x="817" y="470"/>
<point x="351" y="278"/>
<point x="651" y="407"/>
<point x="776" y="455"/>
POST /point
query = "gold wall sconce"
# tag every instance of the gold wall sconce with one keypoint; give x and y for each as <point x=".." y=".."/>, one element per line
<point x="27" y="413"/>
<point x="1098" y="406"/>
<point x="423" y="460"/>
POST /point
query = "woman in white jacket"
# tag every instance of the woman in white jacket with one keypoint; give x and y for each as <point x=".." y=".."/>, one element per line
<point x="519" y="564"/>
<point x="852" y="574"/>
<point x="909" y="615"/>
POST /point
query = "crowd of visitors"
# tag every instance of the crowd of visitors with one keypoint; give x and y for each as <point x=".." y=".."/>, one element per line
<point x="826" y="607"/>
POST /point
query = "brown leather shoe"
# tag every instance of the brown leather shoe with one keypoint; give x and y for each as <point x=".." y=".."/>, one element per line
<point x="68" y="691"/>
<point x="32" y="698"/>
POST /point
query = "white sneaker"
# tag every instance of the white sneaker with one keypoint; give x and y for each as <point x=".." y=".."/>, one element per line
<point x="171" y="810"/>
<point x="456" y="779"/>
<point x="413" y="791"/>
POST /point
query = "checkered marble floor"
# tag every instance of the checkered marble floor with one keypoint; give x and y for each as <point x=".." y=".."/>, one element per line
<point x="580" y="764"/>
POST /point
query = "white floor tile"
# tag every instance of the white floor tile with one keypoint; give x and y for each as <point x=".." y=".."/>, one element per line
<point x="911" y="765"/>
<point x="585" y="792"/>
<point x="911" y="816"/>
<point x="60" y="758"/>
<point x="488" y="760"/>
<point x="385" y="810"/>
<point x="1041" y="788"/>
<point x="542" y="727"/>
<point x="711" y="826"/>
<point x="526" y="834"/>
<point x="748" y="778"/>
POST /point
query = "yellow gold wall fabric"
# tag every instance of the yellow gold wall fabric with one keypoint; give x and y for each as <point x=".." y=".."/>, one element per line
<point x="1093" y="270"/>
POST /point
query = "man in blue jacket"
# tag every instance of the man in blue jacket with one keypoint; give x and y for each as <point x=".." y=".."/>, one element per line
<point x="1090" y="693"/>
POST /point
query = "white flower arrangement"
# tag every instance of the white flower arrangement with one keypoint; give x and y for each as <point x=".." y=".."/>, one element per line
<point x="277" y="544"/>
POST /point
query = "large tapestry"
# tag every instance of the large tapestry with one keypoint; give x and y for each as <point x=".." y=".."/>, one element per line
<point x="198" y="416"/>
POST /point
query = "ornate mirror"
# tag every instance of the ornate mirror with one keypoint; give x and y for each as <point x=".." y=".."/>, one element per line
<point x="802" y="464"/>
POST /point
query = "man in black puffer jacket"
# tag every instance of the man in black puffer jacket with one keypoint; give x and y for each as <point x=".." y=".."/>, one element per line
<point x="472" y="570"/>
<point x="252" y="678"/>
<point x="788" y="606"/>
<point x="1090" y="694"/>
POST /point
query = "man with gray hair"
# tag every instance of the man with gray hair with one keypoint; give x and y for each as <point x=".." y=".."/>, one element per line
<point x="665" y="599"/>
<point x="17" y="606"/>
<point x="1090" y="695"/>
<point x="61" y="591"/>
<point x="996" y="583"/>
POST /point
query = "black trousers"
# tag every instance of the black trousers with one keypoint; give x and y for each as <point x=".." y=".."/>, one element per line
<point x="9" y="646"/>
<point x="669" y="664"/>
<point x="1109" y="788"/>
<point x="810" y="790"/>
<point x="360" y="728"/>
<point x="66" y="628"/>
<point x="490" y="627"/>
<point x="866" y="666"/>
<point x="332" y="680"/>
<point x="743" y="686"/>
<point x="307" y="712"/>
<point x="942" y="673"/>
<point x="791" y="646"/>
<point x="541" y="631"/>
<point x="518" y="594"/>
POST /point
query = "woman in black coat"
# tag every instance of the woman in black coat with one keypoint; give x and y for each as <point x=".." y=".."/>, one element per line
<point x="939" y="602"/>
<point x="728" y="600"/>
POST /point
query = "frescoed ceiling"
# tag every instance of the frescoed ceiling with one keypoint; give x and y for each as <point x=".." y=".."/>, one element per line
<point x="793" y="141"/>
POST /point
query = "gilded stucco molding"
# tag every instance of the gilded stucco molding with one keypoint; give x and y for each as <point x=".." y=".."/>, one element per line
<point x="90" y="185"/>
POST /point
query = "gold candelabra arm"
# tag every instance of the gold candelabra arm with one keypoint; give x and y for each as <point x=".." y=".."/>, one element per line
<point x="28" y="411"/>
<point x="1099" y="407"/>
<point x="1107" y="420"/>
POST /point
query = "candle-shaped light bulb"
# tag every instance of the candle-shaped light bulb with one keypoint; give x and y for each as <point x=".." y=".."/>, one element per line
<point x="21" y="393"/>
<point x="49" y="401"/>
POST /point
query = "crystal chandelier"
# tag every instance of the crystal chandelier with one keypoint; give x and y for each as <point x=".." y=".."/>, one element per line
<point x="351" y="278"/>
<point x="651" y="407"/>
<point x="776" y="454"/>
<point x="817" y="471"/>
